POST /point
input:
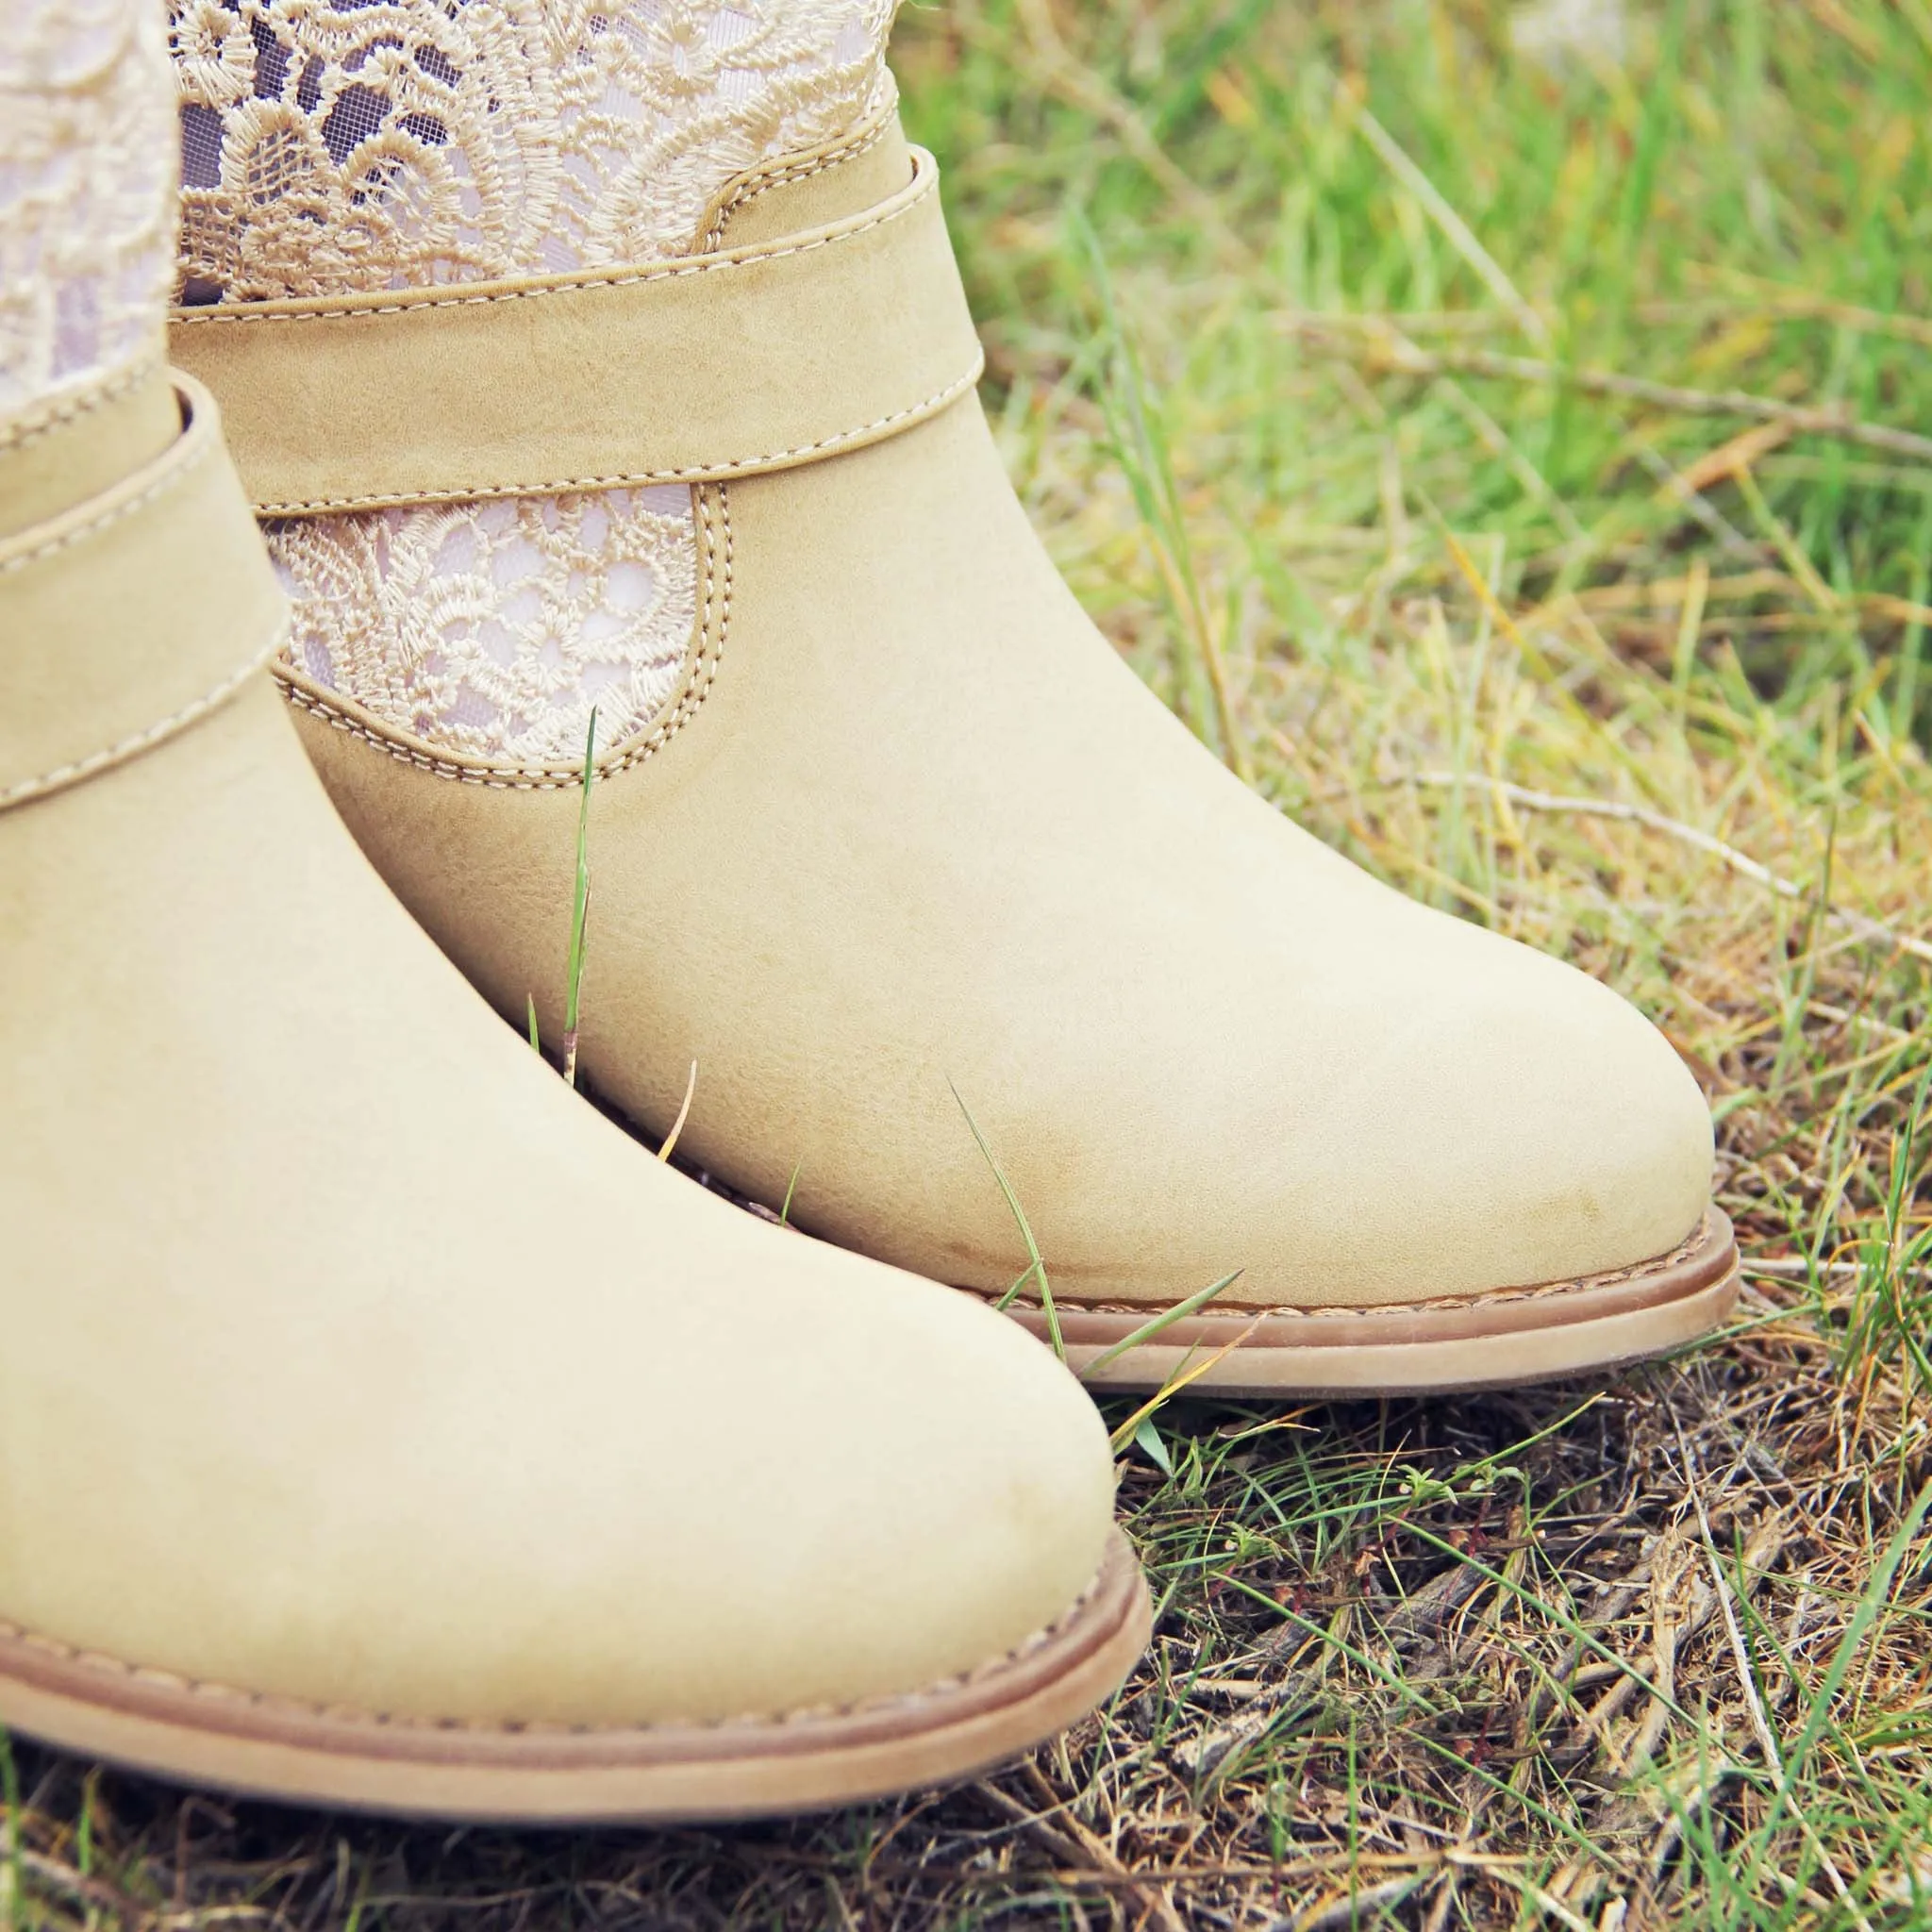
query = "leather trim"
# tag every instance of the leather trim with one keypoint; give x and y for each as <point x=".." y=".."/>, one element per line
<point x="107" y="668"/>
<point x="55" y="415"/>
<point x="749" y="360"/>
<point x="84" y="446"/>
<point x="713" y="513"/>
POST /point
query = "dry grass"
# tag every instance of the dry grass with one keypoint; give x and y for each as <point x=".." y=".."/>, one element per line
<point x="1629" y="669"/>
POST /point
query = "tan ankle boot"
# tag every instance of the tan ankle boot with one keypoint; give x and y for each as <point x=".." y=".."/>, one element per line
<point x="378" y="1425"/>
<point x="908" y="825"/>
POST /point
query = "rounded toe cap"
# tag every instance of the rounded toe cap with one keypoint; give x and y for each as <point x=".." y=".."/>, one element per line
<point x="943" y="1494"/>
<point x="1554" y="1132"/>
<point x="856" y="1486"/>
<point x="1438" y="1112"/>
<point x="779" y="1479"/>
<point x="1504" y="1120"/>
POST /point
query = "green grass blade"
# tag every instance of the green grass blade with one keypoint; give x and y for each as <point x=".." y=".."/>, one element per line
<point x="580" y="910"/>
<point x="1036" y="1265"/>
<point x="1148" y="1330"/>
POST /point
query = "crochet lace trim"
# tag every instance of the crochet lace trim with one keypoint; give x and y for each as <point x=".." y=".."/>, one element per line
<point x="335" y="146"/>
<point x="86" y="198"/>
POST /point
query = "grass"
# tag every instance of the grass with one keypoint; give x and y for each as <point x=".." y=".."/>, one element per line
<point x="1517" y="471"/>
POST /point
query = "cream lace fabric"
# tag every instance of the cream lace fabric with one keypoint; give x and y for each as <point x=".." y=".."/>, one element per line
<point x="337" y="145"/>
<point x="85" y="197"/>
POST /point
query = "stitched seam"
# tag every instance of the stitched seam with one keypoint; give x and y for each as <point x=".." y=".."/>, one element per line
<point x="906" y="1700"/>
<point x="245" y="315"/>
<point x="169" y="480"/>
<point x="783" y="174"/>
<point x="690" y="473"/>
<point x="1482" y="1298"/>
<point x="779" y="173"/>
<point x="32" y="428"/>
<point x="139" y="742"/>
<point x="710" y="649"/>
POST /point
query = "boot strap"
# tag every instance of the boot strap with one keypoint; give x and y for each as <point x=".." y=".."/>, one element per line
<point x="704" y="369"/>
<point x="128" y="616"/>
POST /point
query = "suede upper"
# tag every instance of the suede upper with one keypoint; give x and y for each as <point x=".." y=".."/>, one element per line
<point x="756" y="357"/>
<point x="909" y="827"/>
<point x="350" y="1358"/>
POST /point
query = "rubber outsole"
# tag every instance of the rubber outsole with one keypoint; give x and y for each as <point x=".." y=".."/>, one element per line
<point x="1495" y="1340"/>
<point x="749" y="1766"/>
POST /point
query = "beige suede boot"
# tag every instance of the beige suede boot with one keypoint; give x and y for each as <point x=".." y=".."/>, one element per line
<point x="378" y="1425"/>
<point x="907" y="826"/>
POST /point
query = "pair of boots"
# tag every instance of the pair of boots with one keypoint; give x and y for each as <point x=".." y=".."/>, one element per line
<point x="379" y="1425"/>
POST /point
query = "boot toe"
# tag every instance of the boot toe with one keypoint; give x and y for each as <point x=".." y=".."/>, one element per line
<point x="1443" y="1113"/>
<point x="1518" y="1124"/>
<point x="952" y="1498"/>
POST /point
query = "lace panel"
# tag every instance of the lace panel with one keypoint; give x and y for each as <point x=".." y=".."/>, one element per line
<point x="339" y="146"/>
<point x="85" y="196"/>
<point x="492" y="629"/>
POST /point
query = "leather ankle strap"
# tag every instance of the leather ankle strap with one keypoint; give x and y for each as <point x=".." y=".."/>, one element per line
<point x="85" y="443"/>
<point x="754" y="357"/>
<point x="129" y="616"/>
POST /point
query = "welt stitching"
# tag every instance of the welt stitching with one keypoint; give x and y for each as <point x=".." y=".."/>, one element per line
<point x="692" y="472"/>
<point x="783" y="174"/>
<point x="31" y="430"/>
<point x="1612" y="1278"/>
<point x="245" y="315"/>
<point x="177" y="473"/>
<point x="146" y="740"/>
<point x="710" y="649"/>
<point x="908" y="1700"/>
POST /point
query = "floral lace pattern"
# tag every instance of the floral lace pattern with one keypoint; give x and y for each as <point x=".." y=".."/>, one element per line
<point x="519" y="615"/>
<point x="339" y="145"/>
<point x="85" y="197"/>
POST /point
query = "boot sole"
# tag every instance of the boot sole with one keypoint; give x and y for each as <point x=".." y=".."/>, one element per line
<point x="259" y="1746"/>
<point x="1495" y="1340"/>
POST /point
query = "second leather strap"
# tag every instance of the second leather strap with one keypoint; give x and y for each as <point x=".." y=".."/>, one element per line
<point x="747" y="359"/>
